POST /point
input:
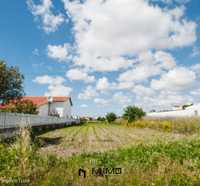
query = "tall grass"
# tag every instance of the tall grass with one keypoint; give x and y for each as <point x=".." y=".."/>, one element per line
<point x="161" y="164"/>
<point x="179" y="125"/>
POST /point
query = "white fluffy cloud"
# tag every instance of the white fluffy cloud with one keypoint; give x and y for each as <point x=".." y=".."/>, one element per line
<point x="121" y="98"/>
<point x="88" y="93"/>
<point x="83" y="105"/>
<point x="103" y="84"/>
<point x="107" y="30"/>
<point x="58" y="52"/>
<point x="50" y="21"/>
<point x="123" y="85"/>
<point x="46" y="79"/>
<point x="56" y="85"/>
<point x="101" y="101"/>
<point x="58" y="90"/>
<point x="177" y="79"/>
<point x="133" y="39"/>
<point x="149" y="65"/>
<point x="79" y="75"/>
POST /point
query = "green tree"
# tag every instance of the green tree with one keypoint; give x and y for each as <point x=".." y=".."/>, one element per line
<point x="132" y="113"/>
<point x="21" y="106"/>
<point x="11" y="81"/>
<point x="101" y="119"/>
<point x="25" y="106"/>
<point x="110" y="117"/>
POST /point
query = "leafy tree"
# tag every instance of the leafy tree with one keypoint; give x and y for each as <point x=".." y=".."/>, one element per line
<point x="21" y="106"/>
<point x="11" y="81"/>
<point x="26" y="107"/>
<point x="110" y="117"/>
<point x="101" y="119"/>
<point x="132" y="113"/>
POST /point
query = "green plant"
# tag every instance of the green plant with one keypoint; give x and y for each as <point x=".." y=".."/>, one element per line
<point x="132" y="113"/>
<point x="10" y="83"/>
<point x="110" y="117"/>
<point x="101" y="119"/>
<point x="25" y="106"/>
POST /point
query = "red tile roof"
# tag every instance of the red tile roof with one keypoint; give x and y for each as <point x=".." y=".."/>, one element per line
<point x="41" y="100"/>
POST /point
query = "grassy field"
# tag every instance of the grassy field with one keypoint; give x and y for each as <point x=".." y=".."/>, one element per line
<point x="148" y="152"/>
<point x="101" y="137"/>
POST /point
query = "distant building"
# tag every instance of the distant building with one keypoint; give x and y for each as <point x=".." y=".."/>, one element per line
<point x="56" y="106"/>
<point x="186" y="111"/>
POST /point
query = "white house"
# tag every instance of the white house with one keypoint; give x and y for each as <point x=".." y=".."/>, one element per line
<point x="60" y="106"/>
<point x="191" y="111"/>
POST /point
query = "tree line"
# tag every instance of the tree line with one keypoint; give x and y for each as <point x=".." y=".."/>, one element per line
<point x="131" y="113"/>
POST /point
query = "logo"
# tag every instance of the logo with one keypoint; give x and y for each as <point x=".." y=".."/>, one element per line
<point x="106" y="171"/>
<point x="82" y="172"/>
<point x="100" y="171"/>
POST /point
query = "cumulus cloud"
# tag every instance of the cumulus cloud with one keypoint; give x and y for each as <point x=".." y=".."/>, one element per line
<point x="123" y="85"/>
<point x="89" y="93"/>
<point x="121" y="98"/>
<point x="172" y="1"/>
<point x="101" y="101"/>
<point x="100" y="39"/>
<point x="103" y="84"/>
<point x="58" y="52"/>
<point x="56" y="85"/>
<point x="79" y="75"/>
<point x="83" y="105"/>
<point x="50" y="21"/>
<point x="133" y="39"/>
<point x="179" y="78"/>
<point x="149" y="65"/>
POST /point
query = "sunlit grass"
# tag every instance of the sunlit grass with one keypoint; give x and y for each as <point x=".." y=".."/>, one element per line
<point x="147" y="152"/>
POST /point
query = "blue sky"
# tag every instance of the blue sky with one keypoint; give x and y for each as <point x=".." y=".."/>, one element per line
<point x="105" y="54"/>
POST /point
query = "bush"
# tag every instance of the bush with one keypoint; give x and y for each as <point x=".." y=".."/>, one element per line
<point x="26" y="107"/>
<point x="110" y="117"/>
<point x="101" y="119"/>
<point x="132" y="113"/>
<point x="21" y="106"/>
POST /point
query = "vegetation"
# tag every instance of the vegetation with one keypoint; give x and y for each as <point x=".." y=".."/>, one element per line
<point x="172" y="162"/>
<point x="110" y="117"/>
<point x="101" y="119"/>
<point x="21" y="106"/>
<point x="25" y="106"/>
<point x="132" y="113"/>
<point x="10" y="83"/>
<point x="179" y="125"/>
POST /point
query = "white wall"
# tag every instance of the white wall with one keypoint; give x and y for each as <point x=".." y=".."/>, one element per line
<point x="63" y="108"/>
<point x="188" y="112"/>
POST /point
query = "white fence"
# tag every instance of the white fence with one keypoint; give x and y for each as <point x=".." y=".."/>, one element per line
<point x="12" y="120"/>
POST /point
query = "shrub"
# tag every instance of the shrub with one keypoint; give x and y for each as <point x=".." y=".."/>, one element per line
<point x="132" y="113"/>
<point x="26" y="107"/>
<point x="21" y="106"/>
<point x="101" y="119"/>
<point x="110" y="117"/>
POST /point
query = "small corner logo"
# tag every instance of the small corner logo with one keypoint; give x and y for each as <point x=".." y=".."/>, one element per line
<point x="82" y="172"/>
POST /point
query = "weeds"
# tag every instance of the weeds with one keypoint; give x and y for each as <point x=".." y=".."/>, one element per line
<point x="160" y="164"/>
<point x="181" y="125"/>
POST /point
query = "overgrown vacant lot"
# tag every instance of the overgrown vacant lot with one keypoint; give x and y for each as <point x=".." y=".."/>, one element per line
<point x="100" y="137"/>
<point x="159" y="153"/>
